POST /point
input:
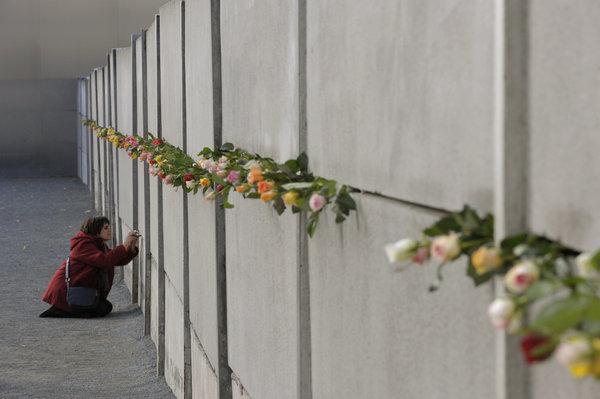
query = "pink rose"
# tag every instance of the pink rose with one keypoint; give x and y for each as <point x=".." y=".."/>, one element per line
<point x="168" y="179"/>
<point x="152" y="171"/>
<point x="233" y="176"/>
<point x="316" y="202"/>
<point x="421" y="256"/>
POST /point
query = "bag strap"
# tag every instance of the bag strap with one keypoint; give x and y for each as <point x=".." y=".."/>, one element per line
<point x="67" y="278"/>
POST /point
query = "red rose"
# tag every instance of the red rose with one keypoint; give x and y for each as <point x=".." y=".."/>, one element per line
<point x="533" y="348"/>
<point x="161" y="175"/>
<point x="156" y="142"/>
<point x="151" y="161"/>
<point x="188" y="177"/>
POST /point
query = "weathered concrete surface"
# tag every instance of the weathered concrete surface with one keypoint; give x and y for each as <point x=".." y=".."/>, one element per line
<point x="260" y="114"/>
<point x="201" y="214"/>
<point x="125" y="125"/>
<point x="151" y="56"/>
<point x="205" y="383"/>
<point x="174" y="327"/>
<point x="238" y="390"/>
<point x="61" y="358"/>
<point x="101" y="143"/>
<point x="141" y="173"/>
<point x="564" y="119"/>
<point x="400" y="98"/>
<point x="172" y="127"/>
<point x="380" y="334"/>
<point x="171" y="61"/>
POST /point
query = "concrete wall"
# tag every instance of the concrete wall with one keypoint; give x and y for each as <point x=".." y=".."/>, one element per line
<point x="171" y="69"/>
<point x="204" y="323"/>
<point x="400" y="100"/>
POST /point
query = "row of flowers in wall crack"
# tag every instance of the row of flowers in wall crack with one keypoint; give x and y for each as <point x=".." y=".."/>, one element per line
<point x="219" y="171"/>
<point x="562" y="283"/>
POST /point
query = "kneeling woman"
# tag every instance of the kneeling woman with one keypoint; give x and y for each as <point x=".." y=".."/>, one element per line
<point x="91" y="264"/>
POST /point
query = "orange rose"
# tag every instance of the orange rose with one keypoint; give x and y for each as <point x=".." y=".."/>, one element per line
<point x="242" y="188"/>
<point x="255" y="175"/>
<point x="268" y="196"/>
<point x="264" y="186"/>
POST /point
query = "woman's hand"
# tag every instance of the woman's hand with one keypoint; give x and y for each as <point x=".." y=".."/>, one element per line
<point x="131" y="240"/>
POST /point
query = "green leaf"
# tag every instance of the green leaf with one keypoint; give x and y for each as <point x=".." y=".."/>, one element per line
<point x="596" y="260"/>
<point x="293" y="165"/>
<point x="477" y="278"/>
<point x="311" y="226"/>
<point x="558" y="316"/>
<point x="227" y="147"/>
<point x="253" y="195"/>
<point x="346" y="201"/>
<point x="510" y="243"/>
<point x="539" y="290"/>
<point x="339" y="218"/>
<point x="303" y="162"/>
<point x="296" y="186"/>
<point x="279" y="205"/>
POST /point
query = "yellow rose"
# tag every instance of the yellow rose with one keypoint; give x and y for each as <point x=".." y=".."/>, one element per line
<point x="580" y="369"/>
<point x="204" y="182"/>
<point x="486" y="259"/>
<point x="290" y="198"/>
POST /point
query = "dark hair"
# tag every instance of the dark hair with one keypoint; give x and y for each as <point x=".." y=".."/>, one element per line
<point x="93" y="226"/>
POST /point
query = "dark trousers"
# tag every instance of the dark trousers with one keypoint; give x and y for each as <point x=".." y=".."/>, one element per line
<point x="100" y="309"/>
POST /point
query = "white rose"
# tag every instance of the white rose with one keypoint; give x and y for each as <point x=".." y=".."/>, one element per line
<point x="572" y="350"/>
<point x="521" y="276"/>
<point x="401" y="250"/>
<point x="190" y="184"/>
<point x="252" y="164"/>
<point x="501" y="312"/>
<point x="585" y="268"/>
<point x="445" y="248"/>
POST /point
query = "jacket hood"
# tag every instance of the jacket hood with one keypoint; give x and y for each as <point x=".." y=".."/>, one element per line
<point x="81" y="237"/>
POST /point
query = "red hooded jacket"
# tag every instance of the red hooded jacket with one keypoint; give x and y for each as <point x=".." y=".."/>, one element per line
<point x="92" y="265"/>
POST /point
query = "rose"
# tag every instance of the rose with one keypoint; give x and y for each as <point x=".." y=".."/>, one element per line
<point x="316" y="202"/>
<point x="152" y="171"/>
<point x="255" y="175"/>
<point x="156" y="142"/>
<point x="143" y="156"/>
<point x="521" y="276"/>
<point x="219" y="187"/>
<point x="445" y="248"/>
<point x="486" y="259"/>
<point x="188" y="176"/>
<point x="168" y="179"/>
<point x="205" y="163"/>
<point x="264" y="186"/>
<point x="573" y="350"/>
<point x="221" y="173"/>
<point x="290" y="198"/>
<point x="204" y="182"/>
<point x="210" y="196"/>
<point x="421" y="255"/>
<point x="535" y="348"/>
<point x="585" y="267"/>
<point x="401" y="250"/>
<point x="162" y="175"/>
<point x="233" y="176"/>
<point x="252" y="164"/>
<point x="501" y="312"/>
<point x="190" y="184"/>
<point x="242" y="188"/>
<point x="268" y="196"/>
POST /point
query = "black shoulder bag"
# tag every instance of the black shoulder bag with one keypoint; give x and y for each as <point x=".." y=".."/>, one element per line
<point x="79" y="298"/>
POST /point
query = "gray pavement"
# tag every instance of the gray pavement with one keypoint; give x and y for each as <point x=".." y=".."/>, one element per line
<point x="61" y="358"/>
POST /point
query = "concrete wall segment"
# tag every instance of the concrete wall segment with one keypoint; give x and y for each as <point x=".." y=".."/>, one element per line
<point x="400" y="98"/>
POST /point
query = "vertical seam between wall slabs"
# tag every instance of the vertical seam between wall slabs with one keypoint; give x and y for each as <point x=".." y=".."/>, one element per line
<point x="135" y="266"/>
<point x="224" y="371"/>
<point x="303" y="311"/>
<point x="97" y="197"/>
<point x="161" y="252"/>
<point x="187" y="344"/>
<point x="510" y="167"/>
<point x="147" y="219"/>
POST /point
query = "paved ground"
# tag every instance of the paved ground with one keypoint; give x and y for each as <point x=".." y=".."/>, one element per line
<point x="61" y="358"/>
